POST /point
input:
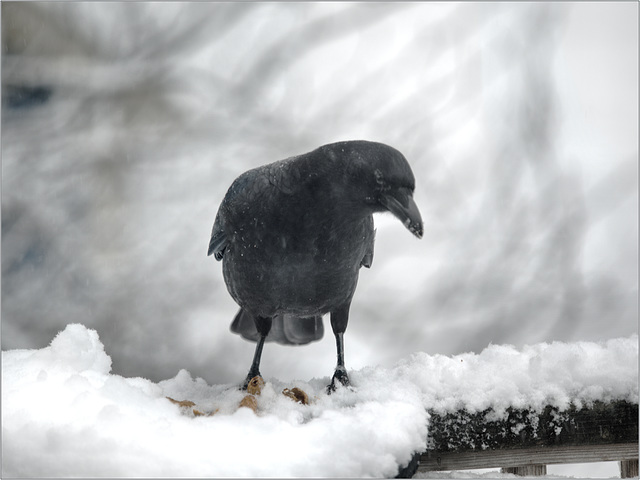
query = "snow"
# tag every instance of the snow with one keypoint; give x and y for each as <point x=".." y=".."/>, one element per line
<point x="65" y="414"/>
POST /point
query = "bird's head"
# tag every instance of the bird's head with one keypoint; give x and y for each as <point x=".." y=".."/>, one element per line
<point x="385" y="181"/>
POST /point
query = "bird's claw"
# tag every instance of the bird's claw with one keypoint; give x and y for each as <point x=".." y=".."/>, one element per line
<point x="341" y="376"/>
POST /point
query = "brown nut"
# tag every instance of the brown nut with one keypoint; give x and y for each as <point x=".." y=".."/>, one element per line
<point x="182" y="403"/>
<point x="185" y="405"/>
<point x="249" y="401"/>
<point x="296" y="394"/>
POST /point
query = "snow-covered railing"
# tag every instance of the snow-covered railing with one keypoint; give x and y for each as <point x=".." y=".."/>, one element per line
<point x="525" y="442"/>
<point x="65" y="414"/>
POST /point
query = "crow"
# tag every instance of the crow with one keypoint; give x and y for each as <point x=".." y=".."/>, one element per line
<point x="293" y="235"/>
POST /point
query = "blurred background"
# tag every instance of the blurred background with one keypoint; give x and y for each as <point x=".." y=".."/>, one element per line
<point x="123" y="125"/>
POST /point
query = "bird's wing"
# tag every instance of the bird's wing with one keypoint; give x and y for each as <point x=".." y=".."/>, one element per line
<point x="285" y="175"/>
<point x="240" y="191"/>
<point x="254" y="187"/>
<point x="218" y="242"/>
<point x="367" y="260"/>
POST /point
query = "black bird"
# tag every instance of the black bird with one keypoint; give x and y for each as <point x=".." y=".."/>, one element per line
<point x="293" y="235"/>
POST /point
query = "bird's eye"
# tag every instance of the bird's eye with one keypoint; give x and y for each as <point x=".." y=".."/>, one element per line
<point x="379" y="176"/>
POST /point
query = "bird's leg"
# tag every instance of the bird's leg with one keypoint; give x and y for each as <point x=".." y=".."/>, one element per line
<point x="341" y="371"/>
<point x="339" y="319"/>
<point x="263" y="325"/>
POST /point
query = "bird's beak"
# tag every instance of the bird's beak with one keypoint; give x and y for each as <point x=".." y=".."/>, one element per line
<point x="408" y="214"/>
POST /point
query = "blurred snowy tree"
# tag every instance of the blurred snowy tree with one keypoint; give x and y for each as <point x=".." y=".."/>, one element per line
<point x="123" y="124"/>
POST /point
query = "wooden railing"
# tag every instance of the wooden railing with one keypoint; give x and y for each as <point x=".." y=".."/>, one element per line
<point x="524" y="442"/>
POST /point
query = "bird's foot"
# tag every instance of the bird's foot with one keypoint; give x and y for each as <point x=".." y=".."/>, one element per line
<point x="340" y="375"/>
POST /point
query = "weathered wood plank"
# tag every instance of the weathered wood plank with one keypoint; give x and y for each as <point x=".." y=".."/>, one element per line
<point x="629" y="469"/>
<point x="521" y="438"/>
<point x="517" y="457"/>
<point x="526" y="470"/>
<point x="600" y="423"/>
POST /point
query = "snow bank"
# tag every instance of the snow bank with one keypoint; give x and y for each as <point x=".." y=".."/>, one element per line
<point x="543" y="374"/>
<point x="64" y="414"/>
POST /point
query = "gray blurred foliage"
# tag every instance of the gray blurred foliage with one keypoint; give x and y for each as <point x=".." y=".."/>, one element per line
<point x="123" y="124"/>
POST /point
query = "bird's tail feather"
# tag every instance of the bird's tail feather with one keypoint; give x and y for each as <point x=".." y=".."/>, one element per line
<point x="285" y="329"/>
